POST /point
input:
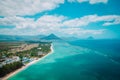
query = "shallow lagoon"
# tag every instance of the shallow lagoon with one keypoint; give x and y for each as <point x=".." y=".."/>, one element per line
<point x="70" y="62"/>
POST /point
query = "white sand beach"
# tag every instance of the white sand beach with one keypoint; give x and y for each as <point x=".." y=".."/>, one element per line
<point x="27" y="65"/>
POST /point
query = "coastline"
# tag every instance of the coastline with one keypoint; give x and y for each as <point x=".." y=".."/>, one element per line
<point x="27" y="65"/>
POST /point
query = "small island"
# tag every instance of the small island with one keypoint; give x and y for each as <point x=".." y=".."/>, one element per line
<point x="18" y="55"/>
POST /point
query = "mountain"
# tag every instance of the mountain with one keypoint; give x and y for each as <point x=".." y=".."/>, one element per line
<point x="90" y="38"/>
<point x="51" y="37"/>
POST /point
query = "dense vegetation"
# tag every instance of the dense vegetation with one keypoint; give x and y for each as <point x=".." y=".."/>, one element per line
<point x="34" y="51"/>
<point x="45" y="48"/>
<point x="6" y="46"/>
<point x="9" y="68"/>
<point x="4" y="51"/>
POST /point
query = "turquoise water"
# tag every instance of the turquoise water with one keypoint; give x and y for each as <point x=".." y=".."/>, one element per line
<point x="69" y="62"/>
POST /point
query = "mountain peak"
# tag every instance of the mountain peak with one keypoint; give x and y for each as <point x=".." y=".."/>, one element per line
<point x="52" y="34"/>
<point x="51" y="37"/>
<point x="90" y="38"/>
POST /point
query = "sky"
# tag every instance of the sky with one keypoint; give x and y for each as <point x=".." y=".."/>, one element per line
<point x="65" y="18"/>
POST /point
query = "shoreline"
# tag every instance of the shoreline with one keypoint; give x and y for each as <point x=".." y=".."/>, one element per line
<point x="27" y="65"/>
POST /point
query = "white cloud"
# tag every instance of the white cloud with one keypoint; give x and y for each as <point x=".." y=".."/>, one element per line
<point x="59" y="21"/>
<point x="57" y="24"/>
<point x="110" y="20"/>
<point x="18" y="22"/>
<point x="80" y="32"/>
<point x="32" y="7"/>
<point x="80" y="1"/>
<point x="97" y="1"/>
<point x="27" y="7"/>
<point x="90" y="1"/>
<point x="86" y="20"/>
<point x="76" y="32"/>
<point x="51" y="20"/>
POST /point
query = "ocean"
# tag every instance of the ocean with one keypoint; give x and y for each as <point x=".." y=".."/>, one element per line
<point x="77" y="60"/>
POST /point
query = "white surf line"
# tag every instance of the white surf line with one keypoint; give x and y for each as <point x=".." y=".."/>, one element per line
<point x="100" y="53"/>
<point x="107" y="56"/>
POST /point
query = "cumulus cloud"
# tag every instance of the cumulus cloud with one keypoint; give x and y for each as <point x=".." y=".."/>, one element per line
<point x="32" y="7"/>
<point x="27" y="7"/>
<point x="110" y="20"/>
<point x="97" y="1"/>
<point x="15" y="21"/>
<point x="57" y="24"/>
<point x="51" y="20"/>
<point x="90" y="1"/>
<point x="84" y="21"/>
<point x="60" y="21"/>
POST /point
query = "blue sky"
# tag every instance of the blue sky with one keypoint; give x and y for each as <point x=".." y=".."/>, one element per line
<point x="65" y="18"/>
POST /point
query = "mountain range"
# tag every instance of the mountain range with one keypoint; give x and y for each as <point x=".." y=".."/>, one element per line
<point x="51" y="37"/>
<point x="27" y="38"/>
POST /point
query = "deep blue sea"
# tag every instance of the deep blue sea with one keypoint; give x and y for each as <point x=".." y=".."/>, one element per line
<point x="77" y="60"/>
